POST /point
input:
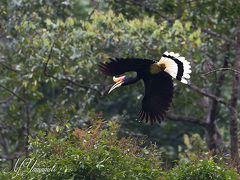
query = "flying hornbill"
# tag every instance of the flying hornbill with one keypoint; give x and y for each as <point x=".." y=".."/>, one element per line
<point x="157" y="77"/>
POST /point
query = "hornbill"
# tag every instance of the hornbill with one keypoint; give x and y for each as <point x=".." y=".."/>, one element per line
<point x="157" y="77"/>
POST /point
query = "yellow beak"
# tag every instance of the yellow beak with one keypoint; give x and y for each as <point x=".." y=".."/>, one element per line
<point x="117" y="84"/>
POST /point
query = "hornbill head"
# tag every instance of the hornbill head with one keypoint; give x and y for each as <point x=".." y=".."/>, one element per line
<point x="118" y="82"/>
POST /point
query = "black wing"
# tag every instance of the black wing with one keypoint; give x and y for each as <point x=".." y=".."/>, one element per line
<point x="119" y="66"/>
<point x="158" y="97"/>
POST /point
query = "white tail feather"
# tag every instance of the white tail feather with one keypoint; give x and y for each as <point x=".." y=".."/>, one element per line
<point x="172" y="67"/>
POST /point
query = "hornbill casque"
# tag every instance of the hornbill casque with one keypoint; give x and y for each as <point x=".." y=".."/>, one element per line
<point x="157" y="77"/>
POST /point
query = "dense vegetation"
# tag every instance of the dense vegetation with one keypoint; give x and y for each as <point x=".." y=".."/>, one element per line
<point x="97" y="153"/>
<point x="50" y="85"/>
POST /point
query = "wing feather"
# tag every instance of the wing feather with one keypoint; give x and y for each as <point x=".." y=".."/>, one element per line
<point x="119" y="66"/>
<point x="158" y="97"/>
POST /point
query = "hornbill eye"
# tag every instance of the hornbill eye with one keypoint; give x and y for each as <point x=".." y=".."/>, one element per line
<point x="157" y="77"/>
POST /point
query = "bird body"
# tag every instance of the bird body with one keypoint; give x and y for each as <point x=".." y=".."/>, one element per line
<point x="155" y="68"/>
<point x="157" y="77"/>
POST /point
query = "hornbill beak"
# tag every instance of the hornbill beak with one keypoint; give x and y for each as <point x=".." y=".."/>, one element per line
<point x="118" y="82"/>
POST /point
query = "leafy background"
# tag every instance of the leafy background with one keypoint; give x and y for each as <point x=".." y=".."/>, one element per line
<point x="49" y="52"/>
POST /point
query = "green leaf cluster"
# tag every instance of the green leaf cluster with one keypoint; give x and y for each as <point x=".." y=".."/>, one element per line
<point x="74" y="35"/>
<point x="72" y="46"/>
<point x="90" y="153"/>
<point x="202" y="169"/>
<point x="96" y="153"/>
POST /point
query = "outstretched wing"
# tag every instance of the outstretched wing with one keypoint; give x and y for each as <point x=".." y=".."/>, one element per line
<point x="158" y="97"/>
<point x="119" y="66"/>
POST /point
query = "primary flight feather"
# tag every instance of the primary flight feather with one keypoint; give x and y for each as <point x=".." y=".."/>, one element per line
<point x="157" y="77"/>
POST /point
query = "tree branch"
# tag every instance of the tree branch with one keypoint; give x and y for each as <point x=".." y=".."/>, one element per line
<point x="234" y="103"/>
<point x="213" y="137"/>
<point x="215" y="34"/>
<point x="4" y="101"/>
<point x="3" y="142"/>
<point x="15" y="156"/>
<point x="27" y="116"/>
<point x="194" y="120"/>
<point x="211" y="96"/>
<point x="152" y="10"/>
<point x="8" y="67"/>
<point x="221" y="69"/>
<point x="207" y="31"/>
<point x="101" y="93"/>
<point x="13" y="93"/>
<point x="218" y="91"/>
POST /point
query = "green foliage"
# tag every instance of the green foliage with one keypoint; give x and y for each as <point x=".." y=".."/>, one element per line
<point x="194" y="146"/>
<point x="74" y="35"/>
<point x="202" y="169"/>
<point x="90" y="153"/>
<point x="97" y="153"/>
<point x="195" y="163"/>
<point x="73" y="47"/>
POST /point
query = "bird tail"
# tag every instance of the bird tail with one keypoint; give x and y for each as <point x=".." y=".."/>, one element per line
<point x="176" y="65"/>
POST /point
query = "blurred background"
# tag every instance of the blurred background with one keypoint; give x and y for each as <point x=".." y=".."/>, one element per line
<point x="49" y="50"/>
